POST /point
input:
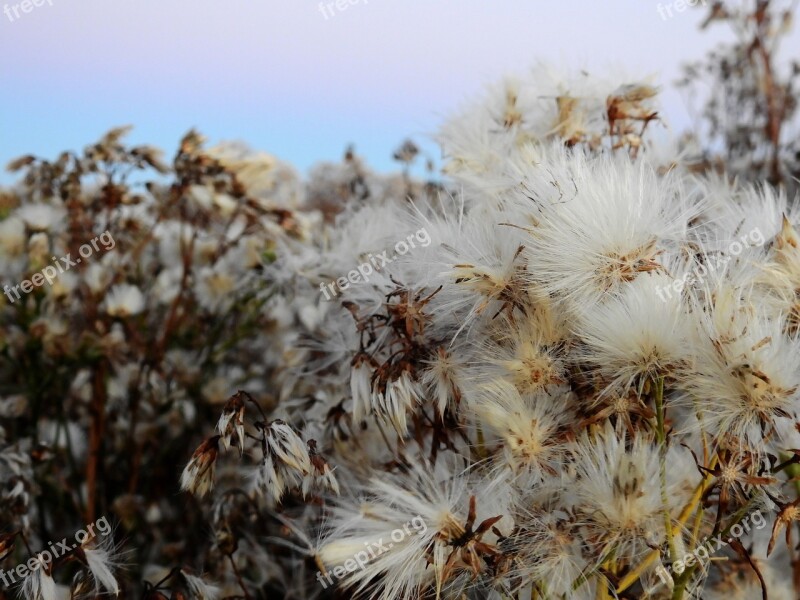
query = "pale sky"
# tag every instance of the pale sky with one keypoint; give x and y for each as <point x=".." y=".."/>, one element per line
<point x="282" y="77"/>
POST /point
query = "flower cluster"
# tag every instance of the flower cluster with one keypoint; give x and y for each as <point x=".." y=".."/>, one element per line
<point x="521" y="385"/>
<point x="519" y="388"/>
<point x="106" y="371"/>
<point x="167" y="304"/>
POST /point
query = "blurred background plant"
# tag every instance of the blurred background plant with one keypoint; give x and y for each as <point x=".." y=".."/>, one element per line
<point x="745" y="93"/>
<point x="107" y="375"/>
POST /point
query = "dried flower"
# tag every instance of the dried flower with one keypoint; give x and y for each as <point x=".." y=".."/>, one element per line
<point x="198" y="475"/>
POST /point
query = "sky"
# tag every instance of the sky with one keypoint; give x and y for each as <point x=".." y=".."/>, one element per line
<point x="301" y="80"/>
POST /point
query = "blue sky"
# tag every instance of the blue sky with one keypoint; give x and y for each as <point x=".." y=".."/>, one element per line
<point x="282" y="77"/>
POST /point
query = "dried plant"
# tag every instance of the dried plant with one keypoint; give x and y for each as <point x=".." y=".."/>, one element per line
<point x="747" y="122"/>
<point x="586" y="385"/>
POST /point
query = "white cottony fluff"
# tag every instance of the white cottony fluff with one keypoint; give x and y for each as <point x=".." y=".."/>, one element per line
<point x="586" y="366"/>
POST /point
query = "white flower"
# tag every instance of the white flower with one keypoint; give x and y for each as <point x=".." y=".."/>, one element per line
<point x="39" y="584"/>
<point x="42" y="217"/>
<point x="39" y="249"/>
<point x="97" y="277"/>
<point x="392" y="404"/>
<point x="548" y="547"/>
<point x="636" y="336"/>
<point x="199" y="589"/>
<point x="598" y="224"/>
<point x="124" y="300"/>
<point x="287" y="446"/>
<point x="167" y="285"/>
<point x="216" y="288"/>
<point x="531" y="427"/>
<point x="270" y="479"/>
<point x="360" y="390"/>
<point x="412" y="531"/>
<point x="64" y="285"/>
<point x="12" y="236"/>
<point x="100" y="559"/>
<point x="441" y="378"/>
<point x="523" y="353"/>
<point x="743" y="383"/>
<point x="288" y="462"/>
<point x="321" y="474"/>
<point x="232" y="422"/>
<point x="619" y="493"/>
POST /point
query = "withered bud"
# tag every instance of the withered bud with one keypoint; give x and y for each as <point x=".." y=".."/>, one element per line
<point x="198" y="476"/>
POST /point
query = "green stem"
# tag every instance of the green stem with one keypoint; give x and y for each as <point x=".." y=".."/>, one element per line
<point x="684" y="578"/>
